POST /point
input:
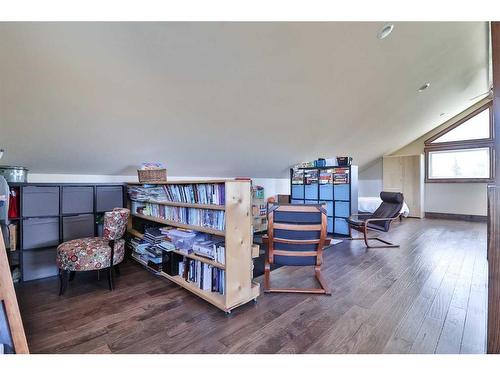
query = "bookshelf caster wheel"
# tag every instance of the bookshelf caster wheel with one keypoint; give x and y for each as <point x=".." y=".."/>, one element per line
<point x="255" y="301"/>
<point x="227" y="313"/>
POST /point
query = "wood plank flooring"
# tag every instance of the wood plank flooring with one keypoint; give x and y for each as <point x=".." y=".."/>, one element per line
<point x="428" y="296"/>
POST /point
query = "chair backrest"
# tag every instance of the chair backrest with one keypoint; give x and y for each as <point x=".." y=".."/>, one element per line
<point x="115" y="223"/>
<point x="390" y="208"/>
<point x="296" y="234"/>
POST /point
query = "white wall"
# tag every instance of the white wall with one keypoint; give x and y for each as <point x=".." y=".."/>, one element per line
<point x="272" y="186"/>
<point x="456" y="198"/>
<point x="370" y="180"/>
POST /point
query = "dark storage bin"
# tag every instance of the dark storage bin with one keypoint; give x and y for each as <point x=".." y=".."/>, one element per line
<point x="77" y="199"/>
<point x="171" y="263"/>
<point x="40" y="232"/>
<point x="38" y="264"/>
<point x="108" y="197"/>
<point x="79" y="226"/>
<point x="40" y="201"/>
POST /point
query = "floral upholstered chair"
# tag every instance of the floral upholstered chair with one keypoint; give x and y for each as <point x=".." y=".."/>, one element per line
<point x="94" y="253"/>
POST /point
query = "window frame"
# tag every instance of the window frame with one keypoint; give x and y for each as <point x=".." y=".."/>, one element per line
<point x="461" y="145"/>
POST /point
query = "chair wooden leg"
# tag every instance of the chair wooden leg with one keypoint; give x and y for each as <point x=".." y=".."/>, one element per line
<point x="72" y="275"/>
<point x="267" y="271"/>
<point x="63" y="281"/>
<point x="117" y="270"/>
<point x="110" y="278"/>
<point x="322" y="281"/>
<point x="323" y="290"/>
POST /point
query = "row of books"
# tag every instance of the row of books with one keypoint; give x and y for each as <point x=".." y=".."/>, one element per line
<point x="144" y="251"/>
<point x="206" y="276"/>
<point x="192" y="193"/>
<point x="197" y="193"/>
<point x="206" y="218"/>
<point x="327" y="176"/>
<point x="211" y="249"/>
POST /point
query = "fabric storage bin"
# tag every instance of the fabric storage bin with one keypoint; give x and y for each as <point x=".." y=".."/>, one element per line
<point x="341" y="226"/>
<point x="342" y="209"/>
<point x="326" y="191"/>
<point x="108" y="197"/>
<point x="79" y="226"/>
<point x="38" y="264"/>
<point x="40" y="232"/>
<point x="298" y="191"/>
<point x="311" y="191"/>
<point x="40" y="201"/>
<point x="77" y="199"/>
<point x="341" y="192"/>
<point x="330" y="225"/>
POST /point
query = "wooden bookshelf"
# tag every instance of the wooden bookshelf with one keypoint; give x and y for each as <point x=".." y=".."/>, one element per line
<point x="238" y="267"/>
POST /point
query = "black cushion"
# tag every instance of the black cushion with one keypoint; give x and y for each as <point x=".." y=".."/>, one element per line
<point x="391" y="197"/>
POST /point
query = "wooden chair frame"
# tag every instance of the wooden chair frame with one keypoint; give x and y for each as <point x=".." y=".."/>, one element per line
<point x="318" y="253"/>
<point x="9" y="300"/>
<point x="363" y="228"/>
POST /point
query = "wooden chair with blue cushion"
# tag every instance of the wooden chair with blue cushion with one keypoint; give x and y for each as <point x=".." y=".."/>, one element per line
<point x="296" y="236"/>
<point x="380" y="221"/>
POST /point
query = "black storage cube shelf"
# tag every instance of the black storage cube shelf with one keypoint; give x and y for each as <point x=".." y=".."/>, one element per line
<point x="40" y="201"/>
<point x="55" y="213"/>
<point x="77" y="199"/>
<point x="78" y="226"/>
<point x="341" y="199"/>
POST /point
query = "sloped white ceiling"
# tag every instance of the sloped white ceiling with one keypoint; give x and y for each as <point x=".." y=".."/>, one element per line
<point x="227" y="99"/>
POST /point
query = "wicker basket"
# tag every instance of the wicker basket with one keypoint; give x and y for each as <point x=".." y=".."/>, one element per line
<point x="147" y="176"/>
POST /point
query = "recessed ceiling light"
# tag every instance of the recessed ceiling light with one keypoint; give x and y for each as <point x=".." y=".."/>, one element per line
<point x="425" y="86"/>
<point x="385" y="31"/>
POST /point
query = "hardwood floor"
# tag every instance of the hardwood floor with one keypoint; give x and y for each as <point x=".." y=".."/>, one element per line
<point x="428" y="296"/>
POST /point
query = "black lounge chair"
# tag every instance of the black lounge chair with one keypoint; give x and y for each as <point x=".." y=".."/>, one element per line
<point x="380" y="220"/>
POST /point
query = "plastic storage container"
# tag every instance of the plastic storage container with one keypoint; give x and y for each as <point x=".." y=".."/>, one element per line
<point x="40" y="232"/>
<point x="40" y="201"/>
<point x="181" y="239"/>
<point x="78" y="226"/>
<point x="77" y="199"/>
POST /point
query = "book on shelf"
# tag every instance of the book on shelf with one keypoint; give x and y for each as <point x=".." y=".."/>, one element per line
<point x="202" y="193"/>
<point x="298" y="177"/>
<point x="311" y="177"/>
<point x="12" y="237"/>
<point x="325" y="177"/>
<point x="211" y="249"/>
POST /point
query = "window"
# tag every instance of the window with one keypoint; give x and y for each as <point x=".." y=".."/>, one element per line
<point x="462" y="152"/>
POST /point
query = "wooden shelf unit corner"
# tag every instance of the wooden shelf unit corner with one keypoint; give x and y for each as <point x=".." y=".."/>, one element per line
<point x="239" y="285"/>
